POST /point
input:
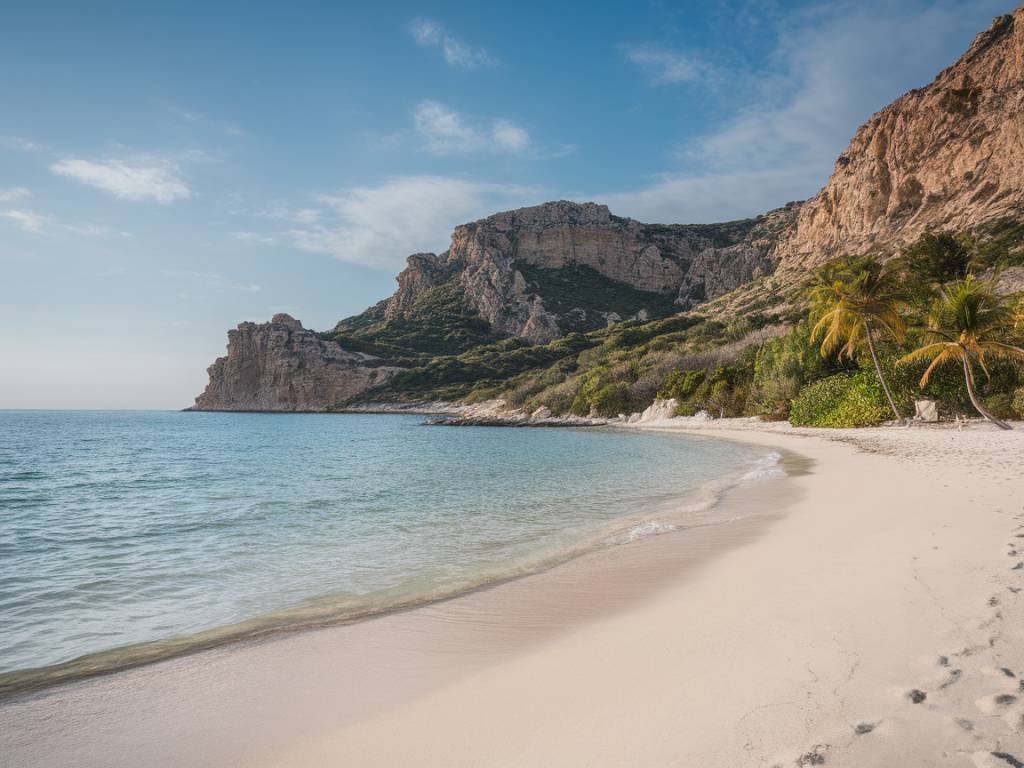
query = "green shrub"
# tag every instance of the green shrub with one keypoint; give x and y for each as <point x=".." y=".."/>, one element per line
<point x="843" y="400"/>
<point x="681" y="384"/>
<point x="1001" y="405"/>
<point x="1018" y="403"/>
<point x="782" y="366"/>
<point x="610" y="400"/>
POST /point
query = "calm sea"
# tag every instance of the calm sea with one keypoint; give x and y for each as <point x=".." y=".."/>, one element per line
<point x="154" y="530"/>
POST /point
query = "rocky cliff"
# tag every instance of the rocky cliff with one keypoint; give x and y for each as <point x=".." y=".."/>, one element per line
<point x="949" y="155"/>
<point x="508" y="266"/>
<point x="281" y="366"/>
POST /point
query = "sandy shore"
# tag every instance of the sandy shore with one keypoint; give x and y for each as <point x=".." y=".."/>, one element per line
<point x="869" y="615"/>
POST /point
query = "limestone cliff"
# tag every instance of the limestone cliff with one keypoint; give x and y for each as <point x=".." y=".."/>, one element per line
<point x="667" y="267"/>
<point x="281" y="366"/>
<point x="949" y="155"/>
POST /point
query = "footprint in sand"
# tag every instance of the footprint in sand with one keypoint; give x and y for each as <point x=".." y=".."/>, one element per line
<point x="995" y="703"/>
<point x="995" y="759"/>
<point x="815" y="757"/>
<point x="954" y="676"/>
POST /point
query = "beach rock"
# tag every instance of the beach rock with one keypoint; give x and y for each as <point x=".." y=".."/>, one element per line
<point x="281" y="366"/>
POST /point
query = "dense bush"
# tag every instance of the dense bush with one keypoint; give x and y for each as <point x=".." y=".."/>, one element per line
<point x="842" y="400"/>
<point x="1018" y="403"/>
<point x="781" y="368"/>
<point x="1000" y="405"/>
<point x="610" y="400"/>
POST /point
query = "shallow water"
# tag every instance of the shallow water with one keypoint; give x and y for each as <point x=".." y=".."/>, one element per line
<point x="126" y="528"/>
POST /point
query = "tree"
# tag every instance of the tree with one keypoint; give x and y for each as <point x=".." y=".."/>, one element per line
<point x="853" y="300"/>
<point x="940" y="257"/>
<point x="967" y="324"/>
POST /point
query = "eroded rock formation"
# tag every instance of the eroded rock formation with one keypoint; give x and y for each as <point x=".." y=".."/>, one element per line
<point x="688" y="263"/>
<point x="281" y="366"/>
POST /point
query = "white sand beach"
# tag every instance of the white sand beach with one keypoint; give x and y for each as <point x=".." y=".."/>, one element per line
<point x="871" y="614"/>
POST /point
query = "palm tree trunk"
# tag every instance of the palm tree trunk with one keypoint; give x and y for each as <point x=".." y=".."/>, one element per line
<point x="969" y="377"/>
<point x="878" y="372"/>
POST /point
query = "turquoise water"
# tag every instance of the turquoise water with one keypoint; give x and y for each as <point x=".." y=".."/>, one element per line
<point x="127" y="528"/>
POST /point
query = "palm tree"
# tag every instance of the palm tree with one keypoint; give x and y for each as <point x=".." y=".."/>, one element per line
<point x="965" y="325"/>
<point x="854" y="300"/>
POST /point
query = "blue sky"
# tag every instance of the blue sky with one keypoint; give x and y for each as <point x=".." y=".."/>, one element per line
<point x="166" y="173"/>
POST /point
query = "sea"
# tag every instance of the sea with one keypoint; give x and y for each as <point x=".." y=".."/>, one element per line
<point x="130" y="536"/>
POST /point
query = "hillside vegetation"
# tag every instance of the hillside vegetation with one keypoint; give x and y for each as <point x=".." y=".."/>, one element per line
<point x="749" y="353"/>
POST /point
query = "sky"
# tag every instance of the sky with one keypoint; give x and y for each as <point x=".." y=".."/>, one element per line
<point x="170" y="170"/>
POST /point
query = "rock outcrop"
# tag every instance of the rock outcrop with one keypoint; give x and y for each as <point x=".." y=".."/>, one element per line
<point x="949" y="155"/>
<point x="281" y="366"/>
<point x="687" y="264"/>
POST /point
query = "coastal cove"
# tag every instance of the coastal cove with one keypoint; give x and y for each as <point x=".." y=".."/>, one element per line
<point x="142" y="563"/>
<point x="804" y="628"/>
<point x="238" y="702"/>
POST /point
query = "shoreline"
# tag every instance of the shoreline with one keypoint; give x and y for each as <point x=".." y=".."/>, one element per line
<point x="476" y="628"/>
<point x="799" y="644"/>
<point x="325" y="612"/>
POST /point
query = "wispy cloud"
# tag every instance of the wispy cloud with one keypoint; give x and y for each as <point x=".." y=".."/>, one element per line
<point x="39" y="223"/>
<point x="666" y="67"/>
<point x="143" y="177"/>
<point x="87" y="229"/>
<point x="253" y="237"/>
<point x="20" y="144"/>
<point x="27" y="220"/>
<point x="281" y="212"/>
<point x="210" y="280"/>
<point x="10" y="194"/>
<point x="431" y="34"/>
<point x="198" y="118"/>
<point x="447" y="132"/>
<point x="378" y="226"/>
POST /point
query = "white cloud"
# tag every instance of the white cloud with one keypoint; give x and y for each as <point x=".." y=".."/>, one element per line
<point x="10" y="194"/>
<point x="447" y="132"/>
<point x="378" y="226"/>
<point x="666" y="67"/>
<point x="253" y="237"/>
<point x="137" y="178"/>
<point x="20" y="144"/>
<point x="430" y="34"/>
<point x="86" y="228"/>
<point x="509" y="137"/>
<point x="210" y="280"/>
<point x="27" y="220"/>
<point x="833" y="67"/>
<point x="30" y="221"/>
<point x="282" y="212"/>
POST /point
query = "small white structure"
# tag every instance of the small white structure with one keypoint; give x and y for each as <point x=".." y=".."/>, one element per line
<point x="926" y="410"/>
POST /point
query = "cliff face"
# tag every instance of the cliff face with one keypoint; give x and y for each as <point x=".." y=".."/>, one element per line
<point x="280" y="366"/>
<point x="950" y="155"/>
<point x="491" y="258"/>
